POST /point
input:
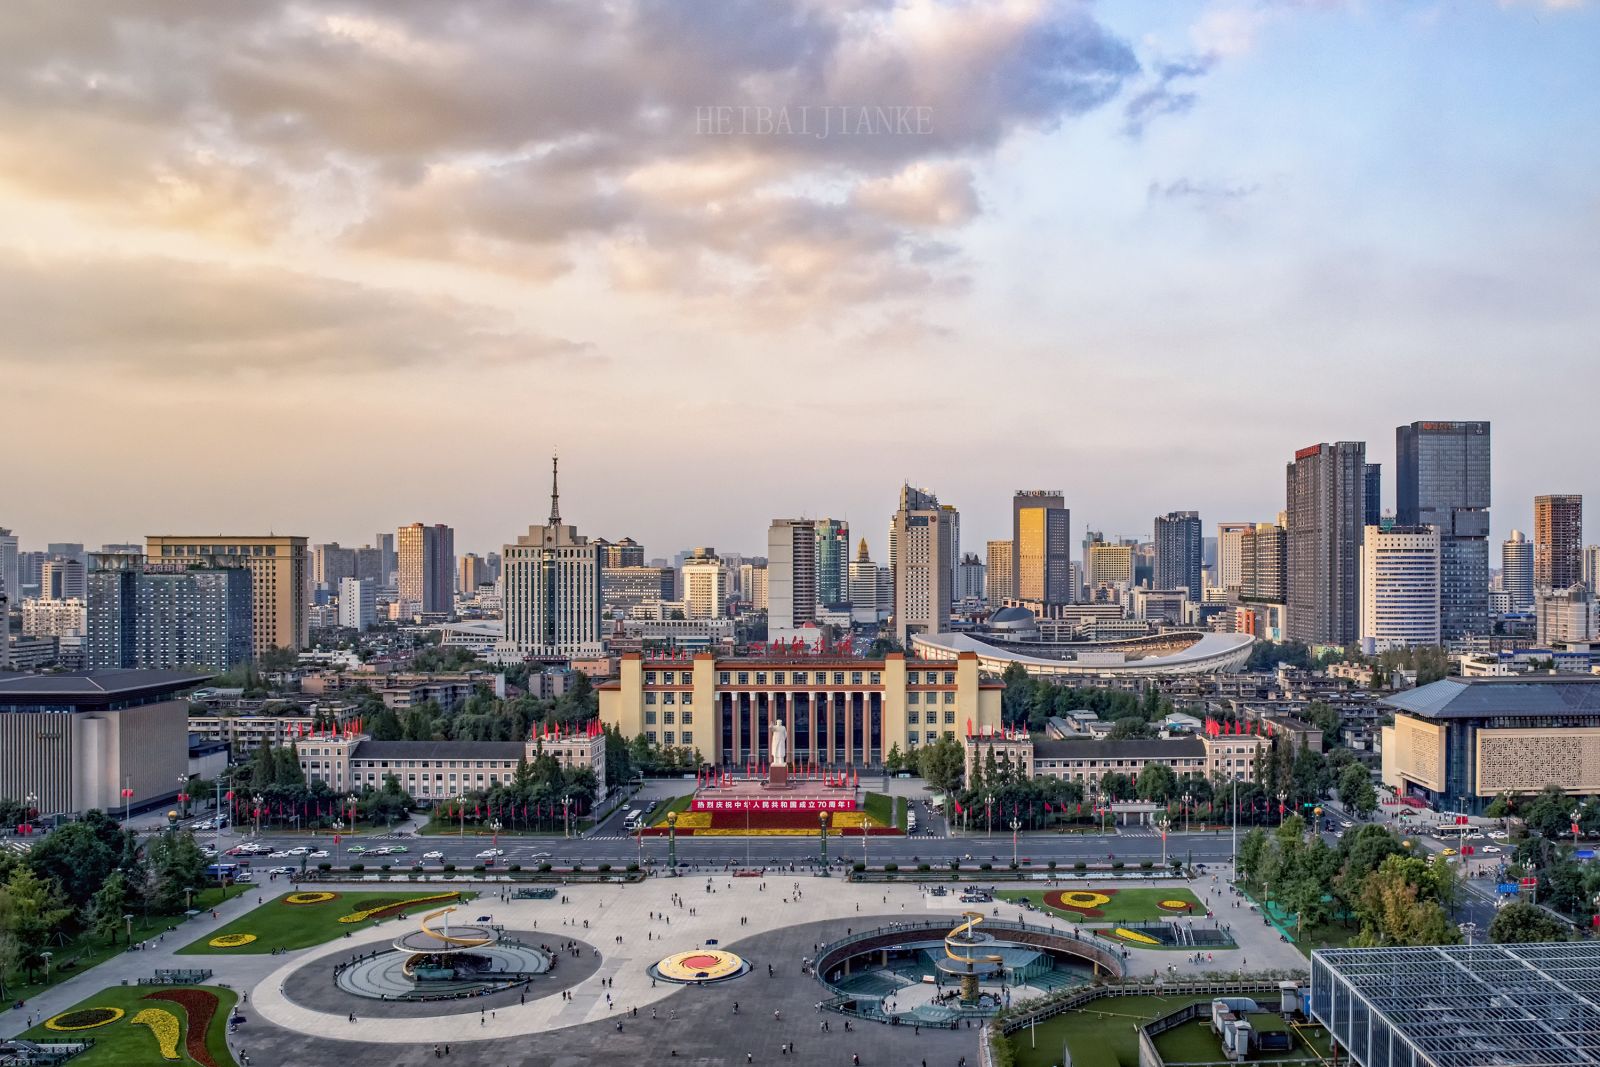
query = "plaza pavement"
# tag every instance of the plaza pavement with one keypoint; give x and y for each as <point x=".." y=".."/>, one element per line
<point x="778" y="928"/>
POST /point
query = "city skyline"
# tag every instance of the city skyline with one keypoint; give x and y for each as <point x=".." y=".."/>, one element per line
<point x="320" y="240"/>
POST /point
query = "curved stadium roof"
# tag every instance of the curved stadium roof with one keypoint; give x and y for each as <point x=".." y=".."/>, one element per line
<point x="1213" y="653"/>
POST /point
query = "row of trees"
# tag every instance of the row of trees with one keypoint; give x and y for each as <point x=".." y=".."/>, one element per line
<point x="82" y="880"/>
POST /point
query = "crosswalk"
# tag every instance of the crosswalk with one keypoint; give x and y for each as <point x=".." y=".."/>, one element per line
<point x="935" y="836"/>
<point x="19" y="847"/>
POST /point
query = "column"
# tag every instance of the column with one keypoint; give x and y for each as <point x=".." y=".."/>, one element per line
<point x="736" y="757"/>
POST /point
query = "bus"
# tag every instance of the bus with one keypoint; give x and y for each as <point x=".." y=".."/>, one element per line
<point x="1451" y="831"/>
<point x="634" y="822"/>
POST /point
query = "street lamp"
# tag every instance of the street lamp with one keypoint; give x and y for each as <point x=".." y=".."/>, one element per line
<point x="1187" y="805"/>
<point x="32" y="802"/>
<point x="822" y="836"/>
<point x="1164" y="820"/>
<point x="183" y="794"/>
<point x="257" y="801"/>
<point x="1283" y="801"/>
<point x="127" y="798"/>
<point x="1016" y="824"/>
<point x="566" y="816"/>
<point x="988" y="813"/>
<point x="128" y="919"/>
<point x="672" y="842"/>
<point x="1467" y="930"/>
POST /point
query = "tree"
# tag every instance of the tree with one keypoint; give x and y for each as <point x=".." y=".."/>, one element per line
<point x="1157" y="782"/>
<point x="1355" y="789"/>
<point x="75" y="859"/>
<point x="32" y="911"/>
<point x="1549" y="814"/>
<point x="1252" y="849"/>
<point x="103" y="916"/>
<point x="1129" y="727"/>
<point x="1522" y="923"/>
<point x="176" y="866"/>
<point x="1397" y="906"/>
<point x="895" y="761"/>
<point x="942" y="764"/>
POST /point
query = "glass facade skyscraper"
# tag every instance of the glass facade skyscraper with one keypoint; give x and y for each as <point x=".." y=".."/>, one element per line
<point x="1325" y="506"/>
<point x="1179" y="547"/>
<point x="1443" y="480"/>
<point x="1041" y="538"/>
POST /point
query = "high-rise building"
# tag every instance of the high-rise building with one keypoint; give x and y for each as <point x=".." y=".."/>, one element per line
<point x="1443" y="480"/>
<point x="753" y="583"/>
<point x="1372" y="494"/>
<point x="369" y="566"/>
<point x="1400" y="586"/>
<point x="551" y="597"/>
<point x="1263" y="552"/>
<point x="10" y="569"/>
<point x="1516" y="570"/>
<point x="624" y="553"/>
<point x="705" y="585"/>
<point x="924" y="537"/>
<point x="999" y="584"/>
<point x="864" y="582"/>
<point x="970" y="579"/>
<point x="331" y="564"/>
<point x="162" y="614"/>
<point x="1108" y="566"/>
<point x="1591" y="568"/>
<point x="384" y="543"/>
<point x="1557" y="541"/>
<point x="627" y="590"/>
<point x="1567" y="616"/>
<point x="278" y="571"/>
<point x="30" y="571"/>
<point x="473" y="573"/>
<point x="427" y="556"/>
<point x="791" y="575"/>
<point x="1041" y="536"/>
<point x="1178" y="549"/>
<point x="63" y="578"/>
<point x="833" y="562"/>
<point x="1324" y="491"/>
<point x="358" y="603"/>
<point x="1230" y="554"/>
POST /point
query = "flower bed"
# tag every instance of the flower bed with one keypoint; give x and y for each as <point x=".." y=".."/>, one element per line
<point x="1174" y="905"/>
<point x="308" y="898"/>
<point x="164" y="1025"/>
<point x="382" y="909"/>
<point x="1080" y="901"/>
<point x="83" y="1019"/>
<point x="201" y="1006"/>
<point x="1134" y="936"/>
<point x="231" y="940"/>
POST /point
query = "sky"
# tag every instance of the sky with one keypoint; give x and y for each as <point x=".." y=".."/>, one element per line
<point x="330" y="268"/>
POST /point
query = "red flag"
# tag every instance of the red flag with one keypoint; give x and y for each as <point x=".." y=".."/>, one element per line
<point x="1047" y="807"/>
<point x="969" y="727"/>
<point x="959" y="809"/>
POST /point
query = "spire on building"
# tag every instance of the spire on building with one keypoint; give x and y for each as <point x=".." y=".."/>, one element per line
<point x="555" y="492"/>
<point x="861" y="552"/>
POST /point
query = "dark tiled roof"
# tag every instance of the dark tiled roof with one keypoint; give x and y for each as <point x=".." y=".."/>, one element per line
<point x="1142" y="748"/>
<point x="397" y="750"/>
<point x="76" y="686"/>
<point x="1468" y="698"/>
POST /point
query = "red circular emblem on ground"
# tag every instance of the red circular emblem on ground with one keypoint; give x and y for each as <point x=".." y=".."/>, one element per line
<point x="699" y="963"/>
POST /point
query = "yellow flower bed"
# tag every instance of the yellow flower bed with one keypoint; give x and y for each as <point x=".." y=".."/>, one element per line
<point x="308" y="898"/>
<point x="691" y="820"/>
<point x="390" y="905"/>
<point x="1135" y="936"/>
<point x="164" y="1025"/>
<point x="755" y="833"/>
<point x="1082" y="899"/>
<point x="231" y="940"/>
<point x="83" y="1019"/>
<point x="853" y="820"/>
<point x="1176" y="905"/>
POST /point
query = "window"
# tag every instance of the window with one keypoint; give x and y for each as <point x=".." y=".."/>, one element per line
<point x="688" y="718"/>
<point x="855" y="677"/>
<point x="688" y="698"/>
<point x="777" y="677"/>
<point x="668" y="717"/>
<point x="649" y="677"/>
<point x="911" y="717"/>
<point x="650" y="717"/>
<point x="912" y="736"/>
<point x="911" y="679"/>
<point x="913" y="698"/>
<point x="838" y="677"/>
<point x="877" y="679"/>
<point x="799" y="677"/>
<point x="687" y="678"/>
<point x="949" y="718"/>
<point x="761" y="677"/>
<point x="744" y="678"/>
<point x="668" y="737"/>
<point x="649" y="698"/>
<point x="949" y="697"/>
<point x="669" y="698"/>
<point x="722" y="677"/>
<point x="650" y="736"/>
<point x="949" y="678"/>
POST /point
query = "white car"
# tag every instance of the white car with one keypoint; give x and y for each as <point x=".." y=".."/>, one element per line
<point x="300" y="850"/>
<point x="433" y="855"/>
<point x="279" y="855"/>
<point x="320" y="854"/>
<point x="1491" y="849"/>
<point x="281" y="870"/>
<point x="490" y="853"/>
<point x="1499" y="835"/>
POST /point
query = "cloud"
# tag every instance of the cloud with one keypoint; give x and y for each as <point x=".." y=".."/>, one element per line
<point x="1159" y="95"/>
<point x="517" y="136"/>
<point x="171" y="318"/>
<point x="1202" y="193"/>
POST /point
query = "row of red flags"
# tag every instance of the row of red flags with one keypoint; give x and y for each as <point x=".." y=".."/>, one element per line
<point x="710" y="778"/>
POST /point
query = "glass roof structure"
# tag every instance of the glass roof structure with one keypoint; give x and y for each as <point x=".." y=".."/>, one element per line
<point x="1535" y="1005"/>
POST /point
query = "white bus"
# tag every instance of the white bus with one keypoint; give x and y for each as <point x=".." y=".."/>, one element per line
<point x="634" y="821"/>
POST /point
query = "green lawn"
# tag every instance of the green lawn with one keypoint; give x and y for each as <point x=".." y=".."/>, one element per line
<point x="83" y="952"/>
<point x="280" y="925"/>
<point x="1126" y="905"/>
<point x="121" y="1043"/>
<point x="1195" y="1043"/>
<point x="658" y="814"/>
<point x="881" y="808"/>
<point x="1100" y="1035"/>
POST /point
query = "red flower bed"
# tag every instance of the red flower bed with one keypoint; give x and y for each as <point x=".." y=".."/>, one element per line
<point x="200" y="1005"/>
<point x="764" y="820"/>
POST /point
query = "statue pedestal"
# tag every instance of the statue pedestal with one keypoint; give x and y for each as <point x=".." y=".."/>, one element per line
<point x="777" y="777"/>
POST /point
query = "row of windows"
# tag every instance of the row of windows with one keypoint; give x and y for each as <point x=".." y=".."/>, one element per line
<point x="219" y="550"/>
<point x="949" y="697"/>
<point x="933" y="717"/>
<point x="669" y="698"/>
<point x="800" y="678"/>
<point x="666" y="717"/>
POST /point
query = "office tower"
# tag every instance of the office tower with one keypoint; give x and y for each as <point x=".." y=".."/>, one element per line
<point x="1401" y="586"/>
<point x="624" y="553"/>
<point x="122" y="550"/>
<point x="1372" y="495"/>
<point x="1230" y="554"/>
<point x="885" y="590"/>
<point x="1108" y="566"/>
<point x="332" y="564"/>
<point x="62" y="579"/>
<point x="163" y="614"/>
<point x="1516" y="570"/>
<point x="384" y="543"/>
<point x="924" y="534"/>
<point x="64" y="621"/>
<point x="68" y="550"/>
<point x="471" y="574"/>
<point x="1568" y="616"/>
<point x="1324" y="490"/>
<point x="833" y="562"/>
<point x="1262" y="564"/>
<point x="427" y="556"/>
<point x="358" y="603"/>
<point x="551" y="595"/>
<point x="753" y="583"/>
<point x="1178" y="550"/>
<point x="864" y="593"/>
<point x="626" y="591"/>
<point x="1442" y="479"/>
<point x="705" y="585"/>
<point x="30" y="572"/>
<point x="10" y="569"/>
<point x="370" y="566"/>
<point x="1557" y="541"/>
<point x="494" y="565"/>
<point x="1591" y="567"/>
<point x="279" y="567"/>
<point x="1041" y="538"/>
<point x="999" y="582"/>
<point x="791" y="575"/>
<point x="970" y="579"/>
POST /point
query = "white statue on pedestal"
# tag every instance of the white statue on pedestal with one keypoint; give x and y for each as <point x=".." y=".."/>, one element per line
<point x="780" y="744"/>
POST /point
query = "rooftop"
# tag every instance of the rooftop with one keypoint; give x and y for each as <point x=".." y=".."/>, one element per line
<point x="1467" y="698"/>
<point x="398" y="750"/>
<point x="94" y="687"/>
<point x="1137" y="748"/>
<point x="1535" y="1005"/>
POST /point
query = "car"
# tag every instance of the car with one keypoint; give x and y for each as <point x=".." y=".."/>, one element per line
<point x="396" y="850"/>
<point x="379" y="851"/>
<point x="281" y="870"/>
<point x="1447" y="852"/>
<point x="278" y="855"/>
<point x="1493" y="850"/>
<point x="300" y="850"/>
<point x="1499" y="835"/>
<point x="357" y="849"/>
<point x="486" y="854"/>
<point x="433" y="855"/>
<point x="319" y="854"/>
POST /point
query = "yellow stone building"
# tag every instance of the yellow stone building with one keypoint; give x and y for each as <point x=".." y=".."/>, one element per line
<point x="839" y="710"/>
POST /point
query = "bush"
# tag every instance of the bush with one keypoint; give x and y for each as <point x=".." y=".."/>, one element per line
<point x="324" y="866"/>
<point x="985" y="866"/>
<point x="449" y="866"/>
<point x="632" y="867"/>
<point x="385" y="867"/>
<point x="858" y="866"/>
<point x="478" y="869"/>
<point x="514" y="867"/>
<point x="1145" y="865"/>
<point x="1052" y="865"/>
<point x="955" y="865"/>
<point x="1080" y="866"/>
<point x="923" y="867"/>
<point x="544" y="867"/>
<point x="604" y="867"/>
<point x="1117" y="865"/>
<point x="358" y="866"/>
<point x="891" y="866"/>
